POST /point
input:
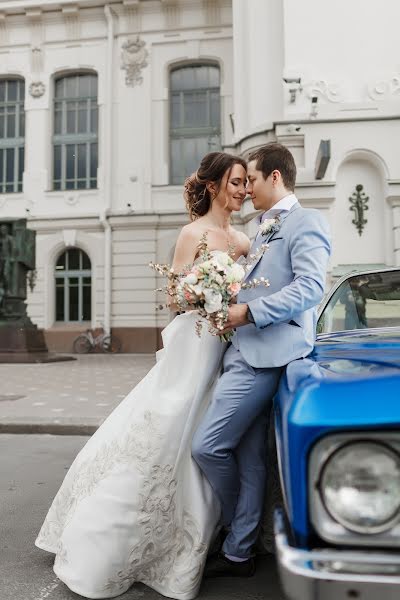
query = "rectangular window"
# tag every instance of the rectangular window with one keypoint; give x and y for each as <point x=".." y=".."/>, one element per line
<point x="195" y="118"/>
<point x="12" y="132"/>
<point x="75" y="136"/>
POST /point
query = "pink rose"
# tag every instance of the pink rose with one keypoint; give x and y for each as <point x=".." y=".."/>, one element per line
<point x="234" y="288"/>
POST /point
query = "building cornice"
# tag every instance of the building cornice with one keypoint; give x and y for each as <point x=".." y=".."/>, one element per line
<point x="18" y="7"/>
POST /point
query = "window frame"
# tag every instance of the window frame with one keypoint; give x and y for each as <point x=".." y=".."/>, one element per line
<point x="64" y="139"/>
<point x="16" y="143"/>
<point x="192" y="132"/>
<point x="66" y="275"/>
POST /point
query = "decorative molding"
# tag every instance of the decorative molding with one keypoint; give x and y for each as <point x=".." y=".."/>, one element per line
<point x="134" y="58"/>
<point x="3" y="30"/>
<point x="322" y="89"/>
<point x="3" y="200"/>
<point x="34" y="15"/>
<point x="69" y="237"/>
<point x="37" y="89"/>
<point x="212" y="11"/>
<point x="71" y="199"/>
<point x="172" y="13"/>
<point x="72" y="22"/>
<point x="37" y="61"/>
<point x="384" y="88"/>
<point x="359" y="204"/>
<point x="132" y="14"/>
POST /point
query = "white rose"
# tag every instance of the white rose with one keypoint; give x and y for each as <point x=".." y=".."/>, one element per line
<point x="238" y="272"/>
<point x="205" y="267"/>
<point x="198" y="290"/>
<point x="218" y="279"/>
<point x="190" y="279"/>
<point x="229" y="275"/>
<point x="268" y="222"/>
<point x="213" y="301"/>
<point x="223" y="259"/>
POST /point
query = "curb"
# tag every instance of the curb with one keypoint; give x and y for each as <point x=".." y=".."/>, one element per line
<point x="48" y="428"/>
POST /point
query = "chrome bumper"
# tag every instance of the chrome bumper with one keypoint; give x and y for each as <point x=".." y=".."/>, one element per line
<point x="306" y="574"/>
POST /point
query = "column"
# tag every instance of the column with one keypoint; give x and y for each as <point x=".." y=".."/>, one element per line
<point x="258" y="48"/>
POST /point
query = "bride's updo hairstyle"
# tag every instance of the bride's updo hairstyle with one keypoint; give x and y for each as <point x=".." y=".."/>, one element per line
<point x="211" y="170"/>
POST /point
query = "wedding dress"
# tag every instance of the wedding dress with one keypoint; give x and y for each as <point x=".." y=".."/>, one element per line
<point x="134" y="506"/>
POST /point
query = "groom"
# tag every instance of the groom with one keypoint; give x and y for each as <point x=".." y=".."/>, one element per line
<point x="274" y="326"/>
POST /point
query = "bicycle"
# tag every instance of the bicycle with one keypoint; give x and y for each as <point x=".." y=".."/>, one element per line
<point x="87" y="342"/>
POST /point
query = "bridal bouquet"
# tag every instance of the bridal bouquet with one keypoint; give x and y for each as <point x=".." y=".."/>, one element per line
<point x="209" y="286"/>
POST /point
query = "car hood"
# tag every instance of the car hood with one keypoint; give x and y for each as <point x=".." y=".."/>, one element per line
<point x="373" y="352"/>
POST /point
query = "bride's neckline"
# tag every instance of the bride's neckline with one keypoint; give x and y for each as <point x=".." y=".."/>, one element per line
<point x="228" y="250"/>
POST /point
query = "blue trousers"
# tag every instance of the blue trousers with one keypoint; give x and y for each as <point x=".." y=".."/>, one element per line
<point x="230" y="447"/>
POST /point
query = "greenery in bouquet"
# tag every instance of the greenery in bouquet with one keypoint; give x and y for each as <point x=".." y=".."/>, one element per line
<point x="209" y="286"/>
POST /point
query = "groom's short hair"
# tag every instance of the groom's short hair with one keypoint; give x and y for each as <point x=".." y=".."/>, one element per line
<point x="274" y="156"/>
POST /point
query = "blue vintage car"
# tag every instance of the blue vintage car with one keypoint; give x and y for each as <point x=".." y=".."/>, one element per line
<point x="337" y="423"/>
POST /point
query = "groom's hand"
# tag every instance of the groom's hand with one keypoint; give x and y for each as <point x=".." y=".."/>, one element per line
<point x="237" y="316"/>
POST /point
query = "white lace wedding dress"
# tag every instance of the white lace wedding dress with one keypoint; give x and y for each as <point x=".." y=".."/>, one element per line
<point x="134" y="506"/>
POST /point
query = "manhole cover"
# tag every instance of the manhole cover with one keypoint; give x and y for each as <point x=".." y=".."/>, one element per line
<point x="8" y="397"/>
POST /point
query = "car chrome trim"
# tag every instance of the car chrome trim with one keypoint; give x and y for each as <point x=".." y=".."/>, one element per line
<point x="353" y="332"/>
<point x="302" y="580"/>
<point x="324" y="524"/>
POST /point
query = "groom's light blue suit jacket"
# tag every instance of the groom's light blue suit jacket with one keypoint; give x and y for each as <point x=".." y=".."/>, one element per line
<point x="285" y="313"/>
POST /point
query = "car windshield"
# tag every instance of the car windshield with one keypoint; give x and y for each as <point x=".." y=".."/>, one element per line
<point x="363" y="301"/>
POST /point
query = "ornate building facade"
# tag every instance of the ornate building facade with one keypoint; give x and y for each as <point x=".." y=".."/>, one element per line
<point x="106" y="106"/>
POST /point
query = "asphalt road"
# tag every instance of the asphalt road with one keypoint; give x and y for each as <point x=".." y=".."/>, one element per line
<point x="31" y="470"/>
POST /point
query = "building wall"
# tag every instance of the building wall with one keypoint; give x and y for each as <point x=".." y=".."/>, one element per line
<point x="345" y="56"/>
<point x="328" y="72"/>
<point x="133" y="196"/>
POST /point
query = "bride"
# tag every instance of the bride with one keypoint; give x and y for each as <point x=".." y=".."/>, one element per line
<point x="134" y="506"/>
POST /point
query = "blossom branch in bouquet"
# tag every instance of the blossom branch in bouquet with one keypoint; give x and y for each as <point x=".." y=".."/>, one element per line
<point x="209" y="286"/>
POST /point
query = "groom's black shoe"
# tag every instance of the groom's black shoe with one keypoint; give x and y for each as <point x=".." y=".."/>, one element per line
<point x="220" y="566"/>
<point x="216" y="546"/>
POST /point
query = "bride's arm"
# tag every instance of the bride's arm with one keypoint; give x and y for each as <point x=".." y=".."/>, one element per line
<point x="185" y="248"/>
<point x="185" y="253"/>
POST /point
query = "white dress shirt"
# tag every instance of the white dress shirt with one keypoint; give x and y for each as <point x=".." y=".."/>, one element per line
<point x="283" y="206"/>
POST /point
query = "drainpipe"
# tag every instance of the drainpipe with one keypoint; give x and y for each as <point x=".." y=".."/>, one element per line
<point x="108" y="169"/>
<point x="107" y="269"/>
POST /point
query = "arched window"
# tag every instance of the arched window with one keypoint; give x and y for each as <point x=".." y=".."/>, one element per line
<point x="12" y="134"/>
<point x="73" y="286"/>
<point x="75" y="137"/>
<point x="195" y="117"/>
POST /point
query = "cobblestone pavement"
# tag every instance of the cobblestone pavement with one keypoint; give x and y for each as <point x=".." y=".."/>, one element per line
<point x="81" y="392"/>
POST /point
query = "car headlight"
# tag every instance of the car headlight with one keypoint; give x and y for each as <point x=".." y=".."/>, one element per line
<point x="360" y="486"/>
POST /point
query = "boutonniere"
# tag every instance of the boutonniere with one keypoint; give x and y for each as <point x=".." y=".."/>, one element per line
<point x="270" y="226"/>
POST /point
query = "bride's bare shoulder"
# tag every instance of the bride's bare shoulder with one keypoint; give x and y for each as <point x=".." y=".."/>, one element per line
<point x="187" y="245"/>
<point x="191" y="232"/>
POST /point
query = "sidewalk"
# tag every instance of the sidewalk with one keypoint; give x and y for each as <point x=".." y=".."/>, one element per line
<point x="72" y="397"/>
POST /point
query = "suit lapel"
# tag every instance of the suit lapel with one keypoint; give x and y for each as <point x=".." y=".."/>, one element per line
<point x="265" y="239"/>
